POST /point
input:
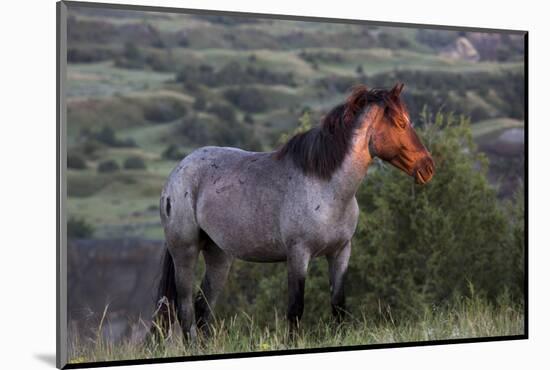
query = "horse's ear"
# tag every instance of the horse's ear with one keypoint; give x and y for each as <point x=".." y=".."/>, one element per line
<point x="396" y="91"/>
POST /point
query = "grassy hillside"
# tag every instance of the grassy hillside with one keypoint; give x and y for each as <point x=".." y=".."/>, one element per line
<point x="154" y="86"/>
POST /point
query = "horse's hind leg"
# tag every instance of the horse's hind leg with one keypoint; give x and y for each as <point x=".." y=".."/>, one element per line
<point x="218" y="264"/>
<point x="338" y="265"/>
<point x="185" y="259"/>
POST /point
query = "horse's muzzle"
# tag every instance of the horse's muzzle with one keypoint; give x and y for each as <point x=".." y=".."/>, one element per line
<point x="424" y="171"/>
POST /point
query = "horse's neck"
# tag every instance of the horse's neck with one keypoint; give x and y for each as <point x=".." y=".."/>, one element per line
<point x="348" y="178"/>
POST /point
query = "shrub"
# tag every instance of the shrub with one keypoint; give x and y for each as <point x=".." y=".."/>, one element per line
<point x="200" y="130"/>
<point x="233" y="73"/>
<point x="444" y="89"/>
<point x="108" y="137"/>
<point x="134" y="163"/>
<point x="88" y="55"/>
<point x="249" y="99"/>
<point x="248" y="119"/>
<point x="195" y="130"/>
<point x="79" y="228"/>
<point x="416" y="247"/>
<point x="160" y="62"/>
<point x="131" y="51"/>
<point x="199" y="104"/>
<point x="422" y="245"/>
<point x="436" y="38"/>
<point x="224" y="112"/>
<point x="163" y="111"/>
<point x="479" y="113"/>
<point x="108" y="166"/>
<point x="173" y="153"/>
<point x="131" y="57"/>
<point x="76" y="162"/>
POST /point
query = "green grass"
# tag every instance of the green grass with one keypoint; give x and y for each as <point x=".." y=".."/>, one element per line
<point x="104" y="80"/>
<point x="99" y="94"/>
<point x="466" y="318"/>
<point x="121" y="204"/>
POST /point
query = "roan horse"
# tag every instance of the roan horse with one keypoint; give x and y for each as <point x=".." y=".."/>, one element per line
<point x="291" y="205"/>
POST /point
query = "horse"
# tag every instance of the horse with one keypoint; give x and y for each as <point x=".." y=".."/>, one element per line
<point x="289" y="205"/>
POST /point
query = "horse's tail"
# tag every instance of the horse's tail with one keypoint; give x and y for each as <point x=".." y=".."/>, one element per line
<point x="164" y="316"/>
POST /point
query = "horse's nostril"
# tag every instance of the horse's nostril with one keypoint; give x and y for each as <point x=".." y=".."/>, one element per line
<point x="430" y="168"/>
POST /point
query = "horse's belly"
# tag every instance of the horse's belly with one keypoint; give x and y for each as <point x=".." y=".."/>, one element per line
<point x="240" y="244"/>
<point x="243" y="237"/>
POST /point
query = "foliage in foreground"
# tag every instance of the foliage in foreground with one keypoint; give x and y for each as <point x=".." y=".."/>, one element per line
<point x="467" y="317"/>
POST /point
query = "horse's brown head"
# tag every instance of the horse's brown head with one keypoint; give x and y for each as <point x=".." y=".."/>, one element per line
<point x="394" y="140"/>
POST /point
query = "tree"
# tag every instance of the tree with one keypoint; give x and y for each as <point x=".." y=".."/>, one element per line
<point x="79" y="228"/>
<point x="421" y="245"/>
<point x="416" y="247"/>
<point x="134" y="163"/>
<point x="249" y="99"/>
<point x="199" y="104"/>
<point x="173" y="153"/>
<point x="76" y="162"/>
<point x="108" y="166"/>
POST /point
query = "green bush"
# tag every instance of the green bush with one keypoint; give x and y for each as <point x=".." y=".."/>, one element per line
<point x="88" y="54"/>
<point x="224" y="112"/>
<point x="131" y="58"/>
<point x="199" y="104"/>
<point x="249" y="99"/>
<point x="108" y="166"/>
<point x="108" y="137"/>
<point x="233" y="73"/>
<point x="163" y="111"/>
<point x="248" y="119"/>
<point x="416" y="247"/>
<point x="422" y="245"/>
<point x="446" y="89"/>
<point x="436" y="39"/>
<point x="199" y="130"/>
<point x="76" y="162"/>
<point x="78" y="228"/>
<point x="173" y="153"/>
<point x="134" y="163"/>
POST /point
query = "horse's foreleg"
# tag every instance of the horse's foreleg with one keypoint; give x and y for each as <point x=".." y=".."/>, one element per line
<point x="338" y="265"/>
<point x="185" y="259"/>
<point x="297" y="262"/>
<point x="218" y="264"/>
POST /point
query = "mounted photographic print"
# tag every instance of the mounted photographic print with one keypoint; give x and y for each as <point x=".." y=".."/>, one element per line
<point x="234" y="184"/>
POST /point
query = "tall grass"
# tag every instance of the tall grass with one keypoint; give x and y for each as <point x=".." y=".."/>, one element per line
<point x="466" y="317"/>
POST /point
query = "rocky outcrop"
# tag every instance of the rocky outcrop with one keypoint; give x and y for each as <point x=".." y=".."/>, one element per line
<point x="462" y="49"/>
<point x="117" y="277"/>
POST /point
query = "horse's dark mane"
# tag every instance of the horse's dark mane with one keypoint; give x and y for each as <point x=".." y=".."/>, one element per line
<point x="321" y="150"/>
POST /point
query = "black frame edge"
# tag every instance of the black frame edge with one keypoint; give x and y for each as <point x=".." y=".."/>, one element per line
<point x="526" y="184"/>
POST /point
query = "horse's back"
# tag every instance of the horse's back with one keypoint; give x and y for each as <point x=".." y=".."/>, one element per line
<point x="233" y="196"/>
<point x="253" y="205"/>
